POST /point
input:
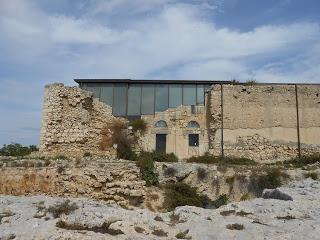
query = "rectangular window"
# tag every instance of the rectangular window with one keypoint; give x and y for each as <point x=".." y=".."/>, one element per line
<point x="120" y="99"/>
<point x="94" y="88"/>
<point x="147" y="104"/>
<point x="200" y="95"/>
<point x="106" y="93"/>
<point x="189" y="94"/>
<point x="193" y="140"/>
<point x="162" y="97"/>
<point x="134" y="99"/>
<point x="175" y="95"/>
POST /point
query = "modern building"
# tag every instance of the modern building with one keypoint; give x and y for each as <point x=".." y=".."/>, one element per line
<point x="132" y="98"/>
<point x="260" y="121"/>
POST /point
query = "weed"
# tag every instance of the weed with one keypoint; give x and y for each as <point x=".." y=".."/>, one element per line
<point x="300" y="162"/>
<point x="182" y="235"/>
<point x="245" y="196"/>
<point x="243" y="213"/>
<point x="209" y="159"/>
<point x="201" y="173"/>
<point x="62" y="208"/>
<point x="158" y="218"/>
<point x="159" y="233"/>
<point x="235" y="226"/>
<point x="147" y="170"/>
<point x="139" y="125"/>
<point x="230" y="180"/>
<point x="181" y="194"/>
<point x="272" y="179"/>
<point x="288" y="217"/>
<point x="227" y="212"/>
<point x="139" y="229"/>
<point x="312" y="175"/>
<point x="160" y="157"/>
<point x="87" y="155"/>
<point x="220" y="201"/>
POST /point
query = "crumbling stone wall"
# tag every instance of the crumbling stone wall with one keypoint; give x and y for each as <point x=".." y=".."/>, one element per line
<point x="72" y="122"/>
<point x="260" y="121"/>
<point x="102" y="179"/>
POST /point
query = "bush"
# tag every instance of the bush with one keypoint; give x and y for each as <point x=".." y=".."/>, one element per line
<point x="220" y="201"/>
<point x="300" y="162"/>
<point x="147" y="170"/>
<point x="312" y="175"/>
<point x="62" y="208"/>
<point x="209" y="159"/>
<point x="139" y="125"/>
<point x="160" y="157"/>
<point x="181" y="194"/>
<point x="16" y="149"/>
<point x="272" y="179"/>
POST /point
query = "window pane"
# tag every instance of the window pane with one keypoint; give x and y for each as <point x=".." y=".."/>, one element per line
<point x="161" y="97"/>
<point x="94" y="88"/>
<point x="175" y="95"/>
<point x="120" y="95"/>
<point x="200" y="94"/>
<point x="147" y="105"/>
<point x="134" y="99"/>
<point x="106" y="93"/>
<point x="189" y="94"/>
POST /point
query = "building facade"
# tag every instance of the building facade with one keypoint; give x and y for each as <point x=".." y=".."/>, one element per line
<point x="264" y="122"/>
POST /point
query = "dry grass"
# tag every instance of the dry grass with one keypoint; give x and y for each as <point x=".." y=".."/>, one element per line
<point x="235" y="226"/>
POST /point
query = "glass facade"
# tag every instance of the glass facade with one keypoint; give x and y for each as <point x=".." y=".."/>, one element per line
<point x="147" y="101"/>
<point x="162" y="97"/>
<point x="106" y="93"/>
<point x="189" y="94"/>
<point x="175" y="95"/>
<point x="120" y="99"/>
<point x="135" y="99"/>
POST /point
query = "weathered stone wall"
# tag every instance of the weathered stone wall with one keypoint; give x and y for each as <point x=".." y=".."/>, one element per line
<point x="102" y="179"/>
<point x="72" y="122"/>
<point x="260" y="121"/>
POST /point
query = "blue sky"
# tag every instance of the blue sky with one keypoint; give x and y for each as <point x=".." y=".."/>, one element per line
<point x="45" y="41"/>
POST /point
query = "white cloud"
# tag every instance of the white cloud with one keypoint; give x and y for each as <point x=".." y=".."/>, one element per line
<point x="157" y="39"/>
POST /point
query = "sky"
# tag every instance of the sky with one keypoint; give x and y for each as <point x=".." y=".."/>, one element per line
<point x="45" y="41"/>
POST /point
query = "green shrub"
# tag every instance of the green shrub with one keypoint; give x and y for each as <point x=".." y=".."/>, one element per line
<point x="147" y="170"/>
<point x="312" y="175"/>
<point x="245" y="196"/>
<point x="181" y="194"/>
<point x="300" y="162"/>
<point x="139" y="125"/>
<point x="160" y="157"/>
<point x="270" y="180"/>
<point x="16" y="149"/>
<point x="209" y="159"/>
<point x="220" y="201"/>
<point x="62" y="208"/>
<point x="124" y="145"/>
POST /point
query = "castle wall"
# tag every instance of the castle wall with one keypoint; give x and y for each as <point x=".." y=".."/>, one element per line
<point x="72" y="122"/>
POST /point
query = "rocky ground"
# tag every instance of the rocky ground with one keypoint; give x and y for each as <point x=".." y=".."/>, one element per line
<point x="32" y="218"/>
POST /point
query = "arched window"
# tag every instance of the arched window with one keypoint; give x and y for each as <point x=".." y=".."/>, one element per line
<point x="193" y="124"/>
<point x="161" y="124"/>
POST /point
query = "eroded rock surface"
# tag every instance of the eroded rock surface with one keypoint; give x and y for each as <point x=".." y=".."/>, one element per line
<point x="256" y="219"/>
